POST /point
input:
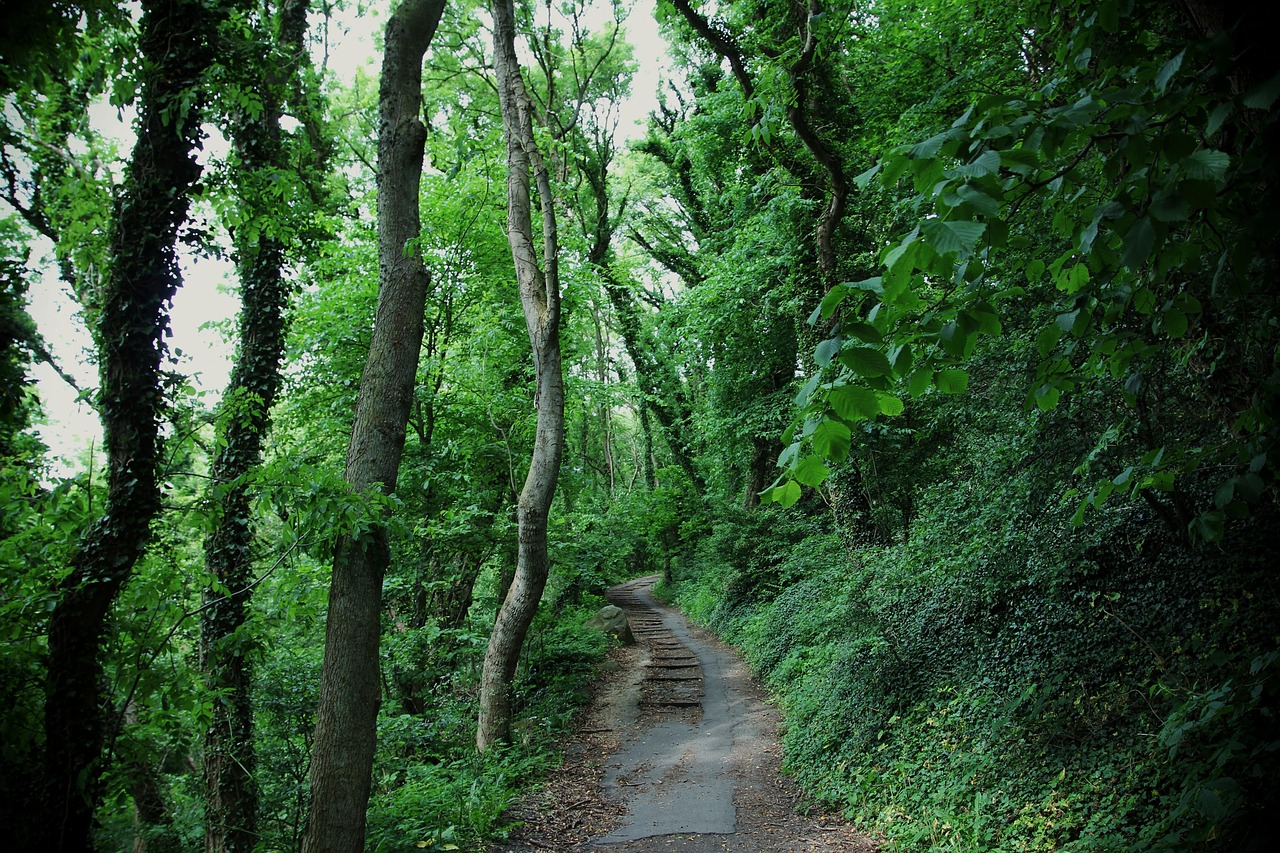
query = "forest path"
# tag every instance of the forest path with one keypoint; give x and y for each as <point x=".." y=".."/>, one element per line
<point x="678" y="752"/>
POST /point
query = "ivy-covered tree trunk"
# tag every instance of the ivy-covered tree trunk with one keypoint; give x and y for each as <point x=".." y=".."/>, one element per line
<point x="144" y="276"/>
<point x="231" y="800"/>
<point x="346" y="722"/>
<point x="175" y="46"/>
<point x="540" y="298"/>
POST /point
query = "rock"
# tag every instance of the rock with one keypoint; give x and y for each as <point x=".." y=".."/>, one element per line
<point x="613" y="620"/>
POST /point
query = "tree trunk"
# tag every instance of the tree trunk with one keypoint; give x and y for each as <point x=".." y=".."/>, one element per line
<point x="231" y="800"/>
<point x="658" y="383"/>
<point x="540" y="298"/>
<point x="346" y="721"/>
<point x="143" y="277"/>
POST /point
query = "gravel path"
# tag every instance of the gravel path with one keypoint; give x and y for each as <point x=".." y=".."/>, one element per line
<point x="677" y="752"/>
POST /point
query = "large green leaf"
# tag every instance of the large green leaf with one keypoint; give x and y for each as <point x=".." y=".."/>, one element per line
<point x="853" y="403"/>
<point x="988" y="162"/>
<point x="1138" y="243"/>
<point x="826" y="351"/>
<point x="920" y="381"/>
<point x="831" y="302"/>
<point x="1206" y="165"/>
<point x="948" y="237"/>
<point x="889" y="404"/>
<point x="786" y="494"/>
<point x="831" y="440"/>
<point x="952" y="381"/>
<point x="867" y="362"/>
<point x="810" y="471"/>
<point x="978" y="200"/>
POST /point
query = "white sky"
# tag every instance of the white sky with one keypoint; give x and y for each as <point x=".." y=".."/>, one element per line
<point x="207" y="295"/>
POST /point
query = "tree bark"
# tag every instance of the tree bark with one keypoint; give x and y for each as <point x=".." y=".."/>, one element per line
<point x="346" y="721"/>
<point x="174" y="42"/>
<point x="231" y="799"/>
<point x="540" y="299"/>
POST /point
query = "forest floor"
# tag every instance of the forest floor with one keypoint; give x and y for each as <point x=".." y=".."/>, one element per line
<point x="677" y="752"/>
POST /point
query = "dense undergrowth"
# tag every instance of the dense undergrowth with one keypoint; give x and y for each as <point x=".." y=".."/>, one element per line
<point x="431" y="789"/>
<point x="991" y="679"/>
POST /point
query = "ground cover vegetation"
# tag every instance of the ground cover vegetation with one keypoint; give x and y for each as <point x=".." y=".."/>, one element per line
<point x="927" y="349"/>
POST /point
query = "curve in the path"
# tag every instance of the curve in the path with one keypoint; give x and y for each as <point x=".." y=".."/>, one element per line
<point x="674" y="775"/>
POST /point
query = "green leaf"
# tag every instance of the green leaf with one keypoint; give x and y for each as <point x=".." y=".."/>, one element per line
<point x="1175" y="324"/>
<point x="871" y="285"/>
<point x="806" y="393"/>
<point x="865" y="178"/>
<point x="831" y="440"/>
<point x="889" y="404"/>
<point x="831" y="301"/>
<point x="1071" y="280"/>
<point x="1170" y="207"/>
<point x="826" y="351"/>
<point x="929" y="147"/>
<point x="1219" y="115"/>
<point x="1167" y="71"/>
<point x="1035" y="269"/>
<point x="864" y="332"/>
<point x="951" y="237"/>
<point x="788" y="455"/>
<point x="920" y="381"/>
<point x="1048" y="339"/>
<point x="901" y="358"/>
<point x="853" y="403"/>
<point x="1138" y="243"/>
<point x="1144" y="301"/>
<point x="952" y="381"/>
<point x="786" y="494"/>
<point x="988" y="162"/>
<point x="1047" y="396"/>
<point x="955" y="341"/>
<point x="978" y="200"/>
<point x="868" y="362"/>
<point x="1206" y="165"/>
<point x="1262" y="96"/>
<point x="810" y="472"/>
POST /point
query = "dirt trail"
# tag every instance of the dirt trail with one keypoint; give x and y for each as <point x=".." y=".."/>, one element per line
<point x="678" y="752"/>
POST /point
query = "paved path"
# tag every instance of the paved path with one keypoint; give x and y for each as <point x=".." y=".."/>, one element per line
<point x="678" y="753"/>
<point x="674" y="776"/>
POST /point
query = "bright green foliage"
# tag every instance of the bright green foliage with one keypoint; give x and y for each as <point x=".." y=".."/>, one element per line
<point x="1103" y="192"/>
<point x="1028" y="364"/>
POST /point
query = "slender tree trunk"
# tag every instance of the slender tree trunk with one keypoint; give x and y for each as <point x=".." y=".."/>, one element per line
<point x="650" y="478"/>
<point x="231" y="799"/>
<point x="602" y="375"/>
<point x="540" y="298"/>
<point x="350" y="690"/>
<point x="174" y="42"/>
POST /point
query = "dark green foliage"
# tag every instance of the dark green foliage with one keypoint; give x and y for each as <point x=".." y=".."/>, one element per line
<point x="18" y="339"/>
<point x="998" y="681"/>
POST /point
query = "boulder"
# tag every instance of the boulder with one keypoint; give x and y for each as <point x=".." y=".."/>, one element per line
<point x="613" y="620"/>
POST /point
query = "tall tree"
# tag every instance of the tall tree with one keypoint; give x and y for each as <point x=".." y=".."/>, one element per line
<point x="540" y="299"/>
<point x="346" y="722"/>
<point x="176" y="46"/>
<point x="231" y="801"/>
